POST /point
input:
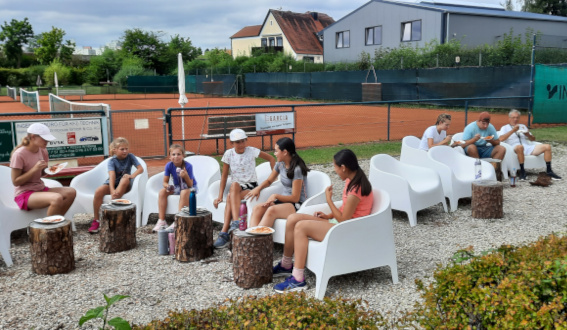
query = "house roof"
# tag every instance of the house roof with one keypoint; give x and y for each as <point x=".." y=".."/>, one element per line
<point x="301" y="30"/>
<point x="248" y="31"/>
<point x="467" y="8"/>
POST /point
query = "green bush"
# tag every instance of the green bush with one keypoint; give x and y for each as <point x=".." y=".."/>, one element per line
<point x="63" y="74"/>
<point x="286" y="311"/>
<point x="510" y="288"/>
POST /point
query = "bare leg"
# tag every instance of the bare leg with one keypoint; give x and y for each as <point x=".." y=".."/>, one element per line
<point x="162" y="202"/>
<point x="519" y="150"/>
<point x="545" y="149"/>
<point x="280" y="211"/>
<point x="498" y="152"/>
<point x="303" y="231"/>
<point x="100" y="192"/>
<point x="184" y="198"/>
<point x="68" y="194"/>
<point x="235" y="191"/>
<point x="290" y="224"/>
<point x="229" y="210"/>
<point x="57" y="200"/>
<point x="257" y="214"/>
<point x="123" y="187"/>
<point x="472" y="151"/>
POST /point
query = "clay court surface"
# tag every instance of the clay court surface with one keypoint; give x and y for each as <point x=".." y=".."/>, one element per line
<point x="316" y="125"/>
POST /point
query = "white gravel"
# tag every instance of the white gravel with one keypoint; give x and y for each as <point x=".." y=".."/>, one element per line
<point x="157" y="283"/>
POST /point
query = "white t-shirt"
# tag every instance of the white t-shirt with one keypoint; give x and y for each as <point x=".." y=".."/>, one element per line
<point x="431" y="133"/>
<point x="515" y="138"/>
<point x="242" y="166"/>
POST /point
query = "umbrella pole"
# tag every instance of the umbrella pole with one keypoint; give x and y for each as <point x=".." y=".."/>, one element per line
<point x="183" y="127"/>
<point x="203" y="128"/>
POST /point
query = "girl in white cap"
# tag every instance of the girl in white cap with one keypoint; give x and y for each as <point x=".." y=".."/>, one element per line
<point x="28" y="160"/>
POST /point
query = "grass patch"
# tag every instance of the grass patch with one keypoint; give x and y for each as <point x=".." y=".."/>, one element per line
<point x="551" y="134"/>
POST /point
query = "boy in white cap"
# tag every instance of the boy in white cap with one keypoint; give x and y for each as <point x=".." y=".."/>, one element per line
<point x="241" y="161"/>
<point x="28" y="160"/>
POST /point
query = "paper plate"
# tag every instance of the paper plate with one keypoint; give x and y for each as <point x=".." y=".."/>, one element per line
<point x="51" y="219"/>
<point x="54" y="169"/>
<point x="260" y="230"/>
<point x="121" y="202"/>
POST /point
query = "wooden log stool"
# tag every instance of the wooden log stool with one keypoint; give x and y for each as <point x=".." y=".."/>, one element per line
<point x="117" y="227"/>
<point x="487" y="199"/>
<point x="252" y="258"/>
<point x="51" y="248"/>
<point x="193" y="236"/>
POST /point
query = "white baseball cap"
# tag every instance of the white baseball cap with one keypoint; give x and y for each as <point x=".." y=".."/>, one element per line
<point x="41" y="130"/>
<point x="237" y="135"/>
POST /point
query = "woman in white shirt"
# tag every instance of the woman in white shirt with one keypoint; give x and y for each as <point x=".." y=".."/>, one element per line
<point x="436" y="135"/>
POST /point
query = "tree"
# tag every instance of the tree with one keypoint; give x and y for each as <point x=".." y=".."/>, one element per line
<point x="146" y="46"/>
<point x="51" y="46"/>
<point x="549" y="7"/>
<point x="97" y="70"/>
<point x="16" y="34"/>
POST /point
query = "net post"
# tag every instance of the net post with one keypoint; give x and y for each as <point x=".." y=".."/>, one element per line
<point x="389" y="104"/>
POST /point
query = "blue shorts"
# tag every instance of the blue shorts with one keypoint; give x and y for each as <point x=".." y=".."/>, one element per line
<point x="484" y="151"/>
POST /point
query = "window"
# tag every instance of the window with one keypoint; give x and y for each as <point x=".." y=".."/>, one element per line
<point x="309" y="59"/>
<point x="272" y="42"/>
<point x="411" y="31"/>
<point x="343" y="39"/>
<point x="279" y="41"/>
<point x="264" y="42"/>
<point x="374" y="35"/>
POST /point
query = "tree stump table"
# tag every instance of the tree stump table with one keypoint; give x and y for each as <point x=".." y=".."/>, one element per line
<point x="487" y="199"/>
<point x="117" y="227"/>
<point x="252" y="258"/>
<point x="193" y="236"/>
<point x="51" y="248"/>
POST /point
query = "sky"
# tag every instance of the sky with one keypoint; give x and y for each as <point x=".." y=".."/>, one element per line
<point x="208" y="24"/>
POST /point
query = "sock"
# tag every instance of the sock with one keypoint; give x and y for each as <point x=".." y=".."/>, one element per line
<point x="548" y="164"/>
<point x="522" y="167"/>
<point x="286" y="262"/>
<point x="298" y="274"/>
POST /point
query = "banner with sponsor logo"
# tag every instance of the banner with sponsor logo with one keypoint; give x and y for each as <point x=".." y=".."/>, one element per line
<point x="75" y="137"/>
<point x="275" y="123"/>
<point x="550" y="94"/>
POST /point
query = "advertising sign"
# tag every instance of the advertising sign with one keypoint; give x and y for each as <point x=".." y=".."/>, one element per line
<point x="275" y="123"/>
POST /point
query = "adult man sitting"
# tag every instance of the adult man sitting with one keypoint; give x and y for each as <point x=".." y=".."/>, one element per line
<point x="481" y="139"/>
<point x="516" y="135"/>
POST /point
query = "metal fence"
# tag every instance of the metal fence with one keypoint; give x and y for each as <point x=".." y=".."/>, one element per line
<point x="145" y="130"/>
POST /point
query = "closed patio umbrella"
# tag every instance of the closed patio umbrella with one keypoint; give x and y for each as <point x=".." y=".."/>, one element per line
<point x="56" y="84"/>
<point x="182" y="97"/>
<point x="38" y="82"/>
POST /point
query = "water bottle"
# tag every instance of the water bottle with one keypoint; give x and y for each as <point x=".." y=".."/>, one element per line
<point x="171" y="237"/>
<point x="513" y="178"/>
<point x="242" y="225"/>
<point x="163" y="242"/>
<point x="193" y="202"/>
<point x="477" y="169"/>
<point x="182" y="182"/>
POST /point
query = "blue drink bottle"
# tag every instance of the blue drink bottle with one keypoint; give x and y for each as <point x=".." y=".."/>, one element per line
<point x="193" y="202"/>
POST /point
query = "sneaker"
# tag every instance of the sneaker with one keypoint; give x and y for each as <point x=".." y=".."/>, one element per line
<point x="523" y="176"/>
<point x="94" y="227"/>
<point x="171" y="228"/>
<point x="279" y="271"/>
<point x="159" y="225"/>
<point x="222" y="241"/>
<point x="233" y="225"/>
<point x="553" y="176"/>
<point x="290" y="285"/>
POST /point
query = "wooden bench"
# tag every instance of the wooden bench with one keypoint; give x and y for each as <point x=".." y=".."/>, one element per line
<point x="220" y="127"/>
<point x="65" y="92"/>
<point x="48" y="89"/>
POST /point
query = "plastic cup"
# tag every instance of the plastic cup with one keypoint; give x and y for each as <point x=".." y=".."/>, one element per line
<point x="513" y="181"/>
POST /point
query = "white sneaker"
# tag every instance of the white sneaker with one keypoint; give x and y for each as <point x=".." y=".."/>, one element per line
<point x="171" y="228"/>
<point x="159" y="225"/>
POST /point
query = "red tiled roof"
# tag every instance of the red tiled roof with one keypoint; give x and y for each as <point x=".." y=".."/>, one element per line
<point x="248" y="31"/>
<point x="300" y="29"/>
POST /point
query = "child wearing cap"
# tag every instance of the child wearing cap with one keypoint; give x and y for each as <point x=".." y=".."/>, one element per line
<point x="241" y="161"/>
<point x="28" y="160"/>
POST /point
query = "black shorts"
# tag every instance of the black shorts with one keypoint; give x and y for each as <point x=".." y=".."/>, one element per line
<point x="248" y="186"/>
<point x="295" y="205"/>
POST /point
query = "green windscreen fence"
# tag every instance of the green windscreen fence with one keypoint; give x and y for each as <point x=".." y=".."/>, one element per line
<point x="550" y="94"/>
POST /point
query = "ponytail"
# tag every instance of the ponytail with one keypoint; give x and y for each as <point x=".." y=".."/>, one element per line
<point x="286" y="143"/>
<point x="26" y="140"/>
<point x="360" y="182"/>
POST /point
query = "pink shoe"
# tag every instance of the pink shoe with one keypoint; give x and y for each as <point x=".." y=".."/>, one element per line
<point x="94" y="227"/>
<point x="171" y="228"/>
<point x="159" y="225"/>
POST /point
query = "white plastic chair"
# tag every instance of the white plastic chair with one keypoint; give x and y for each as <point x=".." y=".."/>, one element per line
<point x="530" y="161"/>
<point x="12" y="217"/>
<point x="411" y="188"/>
<point x="504" y="164"/>
<point x="86" y="183"/>
<point x="457" y="172"/>
<point x="354" y="245"/>
<point x="206" y="171"/>
<point x="262" y="173"/>
<point x="317" y="182"/>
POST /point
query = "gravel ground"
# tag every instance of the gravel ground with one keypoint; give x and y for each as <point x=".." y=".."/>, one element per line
<point x="157" y="283"/>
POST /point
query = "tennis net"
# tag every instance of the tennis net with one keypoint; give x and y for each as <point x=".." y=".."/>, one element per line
<point x="12" y="92"/>
<point x="31" y="99"/>
<point x="58" y="104"/>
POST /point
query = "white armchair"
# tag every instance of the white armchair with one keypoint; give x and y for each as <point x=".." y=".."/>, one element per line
<point x="411" y="188"/>
<point x="206" y="171"/>
<point x="354" y="245"/>
<point x="12" y="217"/>
<point x="503" y="165"/>
<point x="262" y="173"/>
<point x="530" y="161"/>
<point x="316" y="183"/>
<point x="457" y="172"/>
<point x="85" y="184"/>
